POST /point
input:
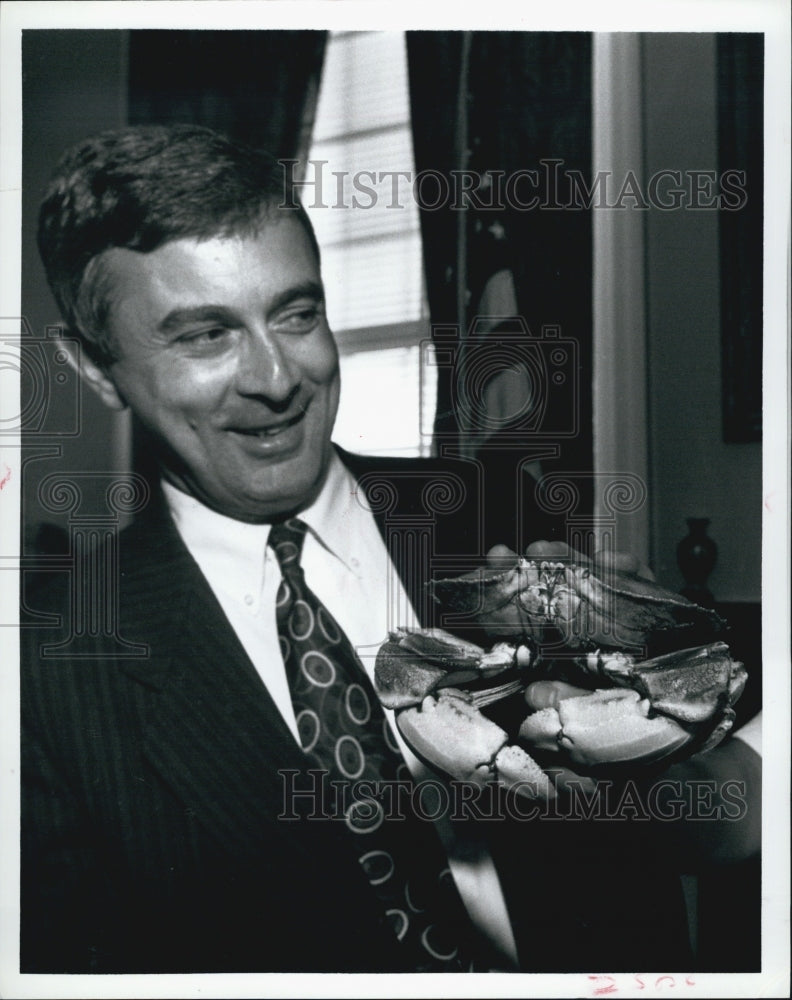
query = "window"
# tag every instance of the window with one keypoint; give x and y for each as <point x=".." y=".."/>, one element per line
<point x="358" y="193"/>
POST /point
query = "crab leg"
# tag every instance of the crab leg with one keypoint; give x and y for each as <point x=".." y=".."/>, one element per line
<point x="413" y="664"/>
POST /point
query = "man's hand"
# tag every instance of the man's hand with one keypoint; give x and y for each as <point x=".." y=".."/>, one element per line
<point x="721" y="791"/>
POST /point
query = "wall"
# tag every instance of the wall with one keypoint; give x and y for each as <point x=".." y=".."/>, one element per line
<point x="74" y="84"/>
<point x="692" y="472"/>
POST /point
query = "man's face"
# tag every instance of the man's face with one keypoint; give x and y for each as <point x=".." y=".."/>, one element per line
<point x="225" y="355"/>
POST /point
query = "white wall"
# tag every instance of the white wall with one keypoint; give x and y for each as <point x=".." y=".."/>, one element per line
<point x="692" y="472"/>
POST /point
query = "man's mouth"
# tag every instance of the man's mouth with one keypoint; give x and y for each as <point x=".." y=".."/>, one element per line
<point x="270" y="430"/>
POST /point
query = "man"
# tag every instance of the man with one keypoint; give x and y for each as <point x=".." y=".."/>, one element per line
<point x="154" y="784"/>
<point x="167" y="825"/>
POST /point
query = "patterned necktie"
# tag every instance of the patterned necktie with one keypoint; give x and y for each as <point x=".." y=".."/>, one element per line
<point x="344" y="732"/>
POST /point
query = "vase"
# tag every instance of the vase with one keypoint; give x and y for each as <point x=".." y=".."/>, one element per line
<point x="697" y="554"/>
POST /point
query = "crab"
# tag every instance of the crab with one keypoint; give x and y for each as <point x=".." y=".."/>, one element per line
<point x="624" y="710"/>
<point x="564" y="602"/>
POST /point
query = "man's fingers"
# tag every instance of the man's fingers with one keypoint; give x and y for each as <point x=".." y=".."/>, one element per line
<point x="567" y="781"/>
<point x="548" y="694"/>
<point x="501" y="557"/>
<point x="549" y="550"/>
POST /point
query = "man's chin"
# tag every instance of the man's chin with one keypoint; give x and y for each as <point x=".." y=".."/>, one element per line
<point x="277" y="501"/>
<point x="257" y="495"/>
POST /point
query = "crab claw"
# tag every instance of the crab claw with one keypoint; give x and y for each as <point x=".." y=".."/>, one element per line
<point x="694" y="685"/>
<point x="438" y="646"/>
<point x="402" y="680"/>
<point x="452" y="736"/>
<point x="604" y="727"/>
<point x="658" y="707"/>
<point x="690" y="685"/>
<point x="415" y="662"/>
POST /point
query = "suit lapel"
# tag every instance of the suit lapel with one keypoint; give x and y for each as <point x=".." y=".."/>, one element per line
<point x="212" y="730"/>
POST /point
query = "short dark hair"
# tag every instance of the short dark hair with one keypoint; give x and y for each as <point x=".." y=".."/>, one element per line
<point x="139" y="188"/>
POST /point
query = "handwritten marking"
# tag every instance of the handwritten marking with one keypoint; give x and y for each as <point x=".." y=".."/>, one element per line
<point x="6" y="477"/>
<point x="606" y="985"/>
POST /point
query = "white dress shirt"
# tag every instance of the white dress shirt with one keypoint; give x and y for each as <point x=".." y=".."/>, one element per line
<point x="347" y="566"/>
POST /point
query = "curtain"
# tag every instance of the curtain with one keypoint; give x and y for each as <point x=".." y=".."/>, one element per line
<point x="508" y="265"/>
<point x="256" y="86"/>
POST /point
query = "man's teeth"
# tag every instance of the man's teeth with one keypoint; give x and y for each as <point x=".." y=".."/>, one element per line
<point x="267" y="431"/>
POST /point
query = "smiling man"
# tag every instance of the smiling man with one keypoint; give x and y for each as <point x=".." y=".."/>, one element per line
<point x="157" y="835"/>
<point x="227" y="360"/>
<point x="217" y="340"/>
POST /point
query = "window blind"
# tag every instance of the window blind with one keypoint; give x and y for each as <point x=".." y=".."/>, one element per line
<point x="358" y="194"/>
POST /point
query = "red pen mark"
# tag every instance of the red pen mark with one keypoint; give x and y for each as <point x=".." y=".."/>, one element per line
<point x="690" y="981"/>
<point x="768" y="502"/>
<point x="604" y="988"/>
<point x="641" y="983"/>
<point x="661" y="979"/>
<point x="6" y="477"/>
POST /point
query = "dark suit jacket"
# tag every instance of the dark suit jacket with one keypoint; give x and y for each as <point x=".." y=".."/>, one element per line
<point x="151" y="790"/>
<point x="151" y="793"/>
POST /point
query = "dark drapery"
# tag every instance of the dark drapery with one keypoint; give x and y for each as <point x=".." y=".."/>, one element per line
<point x="514" y="110"/>
<point x="255" y="86"/>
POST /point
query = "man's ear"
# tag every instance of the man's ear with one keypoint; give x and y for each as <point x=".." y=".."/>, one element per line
<point x="93" y="375"/>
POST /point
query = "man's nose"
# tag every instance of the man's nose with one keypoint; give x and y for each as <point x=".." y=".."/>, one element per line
<point x="265" y="368"/>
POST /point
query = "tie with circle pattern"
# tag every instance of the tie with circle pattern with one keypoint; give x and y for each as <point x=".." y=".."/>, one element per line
<point x="343" y="731"/>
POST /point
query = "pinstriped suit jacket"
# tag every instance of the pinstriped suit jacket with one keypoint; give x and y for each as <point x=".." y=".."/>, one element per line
<point x="151" y="792"/>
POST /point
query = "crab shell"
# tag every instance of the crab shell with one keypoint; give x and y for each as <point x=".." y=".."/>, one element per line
<point x="565" y="603"/>
<point x="654" y="710"/>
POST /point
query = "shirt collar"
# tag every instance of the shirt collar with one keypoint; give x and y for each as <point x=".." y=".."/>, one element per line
<point x="330" y="516"/>
<point x="231" y="553"/>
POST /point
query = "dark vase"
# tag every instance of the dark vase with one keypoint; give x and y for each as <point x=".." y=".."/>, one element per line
<point x="697" y="554"/>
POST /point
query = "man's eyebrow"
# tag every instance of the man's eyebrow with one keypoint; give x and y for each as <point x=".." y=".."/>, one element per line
<point x="210" y="312"/>
<point x="177" y="318"/>
<point x="305" y="290"/>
